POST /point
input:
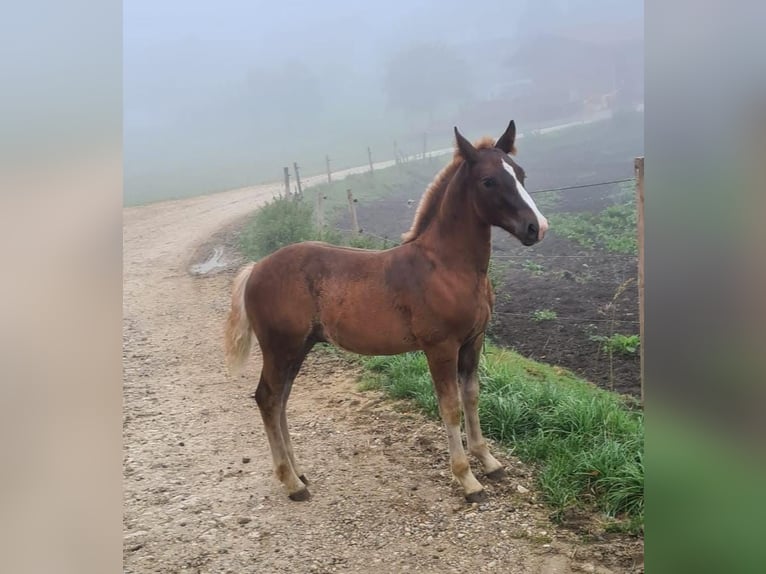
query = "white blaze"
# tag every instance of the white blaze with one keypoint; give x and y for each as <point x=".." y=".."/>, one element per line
<point x="542" y="222"/>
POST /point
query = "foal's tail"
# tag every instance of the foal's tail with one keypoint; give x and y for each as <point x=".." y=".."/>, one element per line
<point x="238" y="334"/>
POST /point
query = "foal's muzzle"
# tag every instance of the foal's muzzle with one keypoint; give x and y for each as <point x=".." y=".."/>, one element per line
<point x="535" y="231"/>
<point x="531" y="234"/>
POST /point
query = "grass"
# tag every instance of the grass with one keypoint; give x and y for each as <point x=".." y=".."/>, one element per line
<point x="533" y="267"/>
<point x="412" y="175"/>
<point x="278" y="223"/>
<point x="615" y="343"/>
<point x="283" y="221"/>
<point x="496" y="272"/>
<point x="548" y="201"/>
<point x="622" y="137"/>
<point x="613" y="229"/>
<point x="618" y="343"/>
<point x="544" y="315"/>
<point x="587" y="443"/>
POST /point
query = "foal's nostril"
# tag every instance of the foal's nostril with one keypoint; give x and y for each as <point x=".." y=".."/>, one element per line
<point x="532" y="230"/>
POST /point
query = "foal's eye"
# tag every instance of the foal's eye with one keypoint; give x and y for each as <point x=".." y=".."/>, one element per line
<point x="488" y="182"/>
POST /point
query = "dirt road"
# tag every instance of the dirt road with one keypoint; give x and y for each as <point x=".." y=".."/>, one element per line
<point x="199" y="493"/>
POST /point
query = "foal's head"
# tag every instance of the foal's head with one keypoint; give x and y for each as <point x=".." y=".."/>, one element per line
<point x="497" y="185"/>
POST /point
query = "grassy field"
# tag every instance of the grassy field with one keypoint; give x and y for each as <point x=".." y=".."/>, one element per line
<point x="583" y="136"/>
<point x="612" y="229"/>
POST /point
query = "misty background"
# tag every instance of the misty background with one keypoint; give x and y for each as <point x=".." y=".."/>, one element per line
<point x="223" y="95"/>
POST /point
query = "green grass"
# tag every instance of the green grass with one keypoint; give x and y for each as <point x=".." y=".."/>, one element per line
<point x="618" y="343"/>
<point x="544" y="315"/>
<point x="620" y="137"/>
<point x="613" y="229"/>
<point x="363" y="241"/>
<point x="587" y="443"/>
<point x="283" y="221"/>
<point x="496" y="272"/>
<point x="533" y="267"/>
<point x="412" y="177"/>
<point x="548" y="201"/>
<point x="278" y="223"/>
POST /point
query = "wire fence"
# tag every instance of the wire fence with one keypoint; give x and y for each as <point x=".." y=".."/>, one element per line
<point x="549" y="256"/>
<point x="577" y="319"/>
<point x="538" y="255"/>
<point x="584" y="186"/>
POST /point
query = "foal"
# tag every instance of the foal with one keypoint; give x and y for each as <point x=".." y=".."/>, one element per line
<point x="431" y="293"/>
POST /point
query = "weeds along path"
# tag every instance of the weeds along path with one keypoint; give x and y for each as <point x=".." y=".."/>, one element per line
<point x="199" y="493"/>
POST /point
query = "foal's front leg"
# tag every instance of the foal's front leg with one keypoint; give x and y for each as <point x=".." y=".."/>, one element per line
<point x="468" y="367"/>
<point x="442" y="362"/>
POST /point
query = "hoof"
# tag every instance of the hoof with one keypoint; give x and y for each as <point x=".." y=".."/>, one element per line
<point x="479" y="496"/>
<point x="301" y="495"/>
<point x="304" y="480"/>
<point x="497" y="474"/>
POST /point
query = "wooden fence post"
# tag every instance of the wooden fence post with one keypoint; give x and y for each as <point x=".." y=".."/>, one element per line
<point x="329" y="173"/>
<point x="352" y="208"/>
<point x="396" y="154"/>
<point x="287" y="183"/>
<point x="369" y="157"/>
<point x="320" y="210"/>
<point x="298" y="180"/>
<point x="638" y="165"/>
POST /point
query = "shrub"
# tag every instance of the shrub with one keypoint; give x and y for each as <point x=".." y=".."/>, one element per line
<point x="276" y="224"/>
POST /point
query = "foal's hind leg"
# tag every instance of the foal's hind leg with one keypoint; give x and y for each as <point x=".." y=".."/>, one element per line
<point x="468" y="365"/>
<point x="289" y="445"/>
<point x="291" y="374"/>
<point x="442" y="362"/>
<point x="270" y="398"/>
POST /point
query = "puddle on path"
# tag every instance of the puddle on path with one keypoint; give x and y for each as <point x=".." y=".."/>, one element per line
<point x="215" y="261"/>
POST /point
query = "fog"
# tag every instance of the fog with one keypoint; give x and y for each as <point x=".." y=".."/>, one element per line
<point x="223" y="95"/>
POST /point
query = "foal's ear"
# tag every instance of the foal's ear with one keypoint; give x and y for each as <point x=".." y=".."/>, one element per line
<point x="466" y="148"/>
<point x="506" y="141"/>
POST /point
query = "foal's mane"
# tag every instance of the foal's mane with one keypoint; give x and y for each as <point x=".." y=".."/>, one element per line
<point x="434" y="193"/>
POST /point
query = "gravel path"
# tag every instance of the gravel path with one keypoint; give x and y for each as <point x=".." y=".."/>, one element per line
<point x="199" y="493"/>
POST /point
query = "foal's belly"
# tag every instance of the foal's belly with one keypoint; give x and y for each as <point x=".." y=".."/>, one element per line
<point x="370" y="334"/>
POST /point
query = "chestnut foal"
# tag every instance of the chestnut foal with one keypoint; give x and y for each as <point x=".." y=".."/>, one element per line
<point x="430" y="293"/>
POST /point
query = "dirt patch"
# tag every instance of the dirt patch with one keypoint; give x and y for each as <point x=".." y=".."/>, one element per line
<point x="580" y="289"/>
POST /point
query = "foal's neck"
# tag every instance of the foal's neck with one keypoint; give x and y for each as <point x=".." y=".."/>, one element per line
<point x="457" y="234"/>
